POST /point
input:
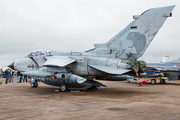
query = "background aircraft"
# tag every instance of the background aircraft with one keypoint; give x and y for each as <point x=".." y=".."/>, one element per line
<point x="169" y="69"/>
<point x="146" y="74"/>
<point x="160" y="69"/>
<point x="164" y="59"/>
<point x="116" y="57"/>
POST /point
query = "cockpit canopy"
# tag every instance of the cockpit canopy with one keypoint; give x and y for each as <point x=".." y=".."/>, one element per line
<point x="38" y="53"/>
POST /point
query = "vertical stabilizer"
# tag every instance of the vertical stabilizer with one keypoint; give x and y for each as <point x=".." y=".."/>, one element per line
<point x="134" y="39"/>
<point x="164" y="59"/>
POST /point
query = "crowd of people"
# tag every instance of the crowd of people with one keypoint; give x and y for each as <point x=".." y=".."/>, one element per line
<point x="10" y="74"/>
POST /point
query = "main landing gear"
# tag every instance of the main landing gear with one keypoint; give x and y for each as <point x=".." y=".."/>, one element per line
<point x="64" y="88"/>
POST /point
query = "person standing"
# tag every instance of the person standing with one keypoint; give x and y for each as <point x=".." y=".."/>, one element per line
<point x="10" y="76"/>
<point x="7" y="76"/>
<point x="25" y="78"/>
<point x="18" y="77"/>
<point x="29" y="79"/>
<point x="21" y="77"/>
<point x="12" y="73"/>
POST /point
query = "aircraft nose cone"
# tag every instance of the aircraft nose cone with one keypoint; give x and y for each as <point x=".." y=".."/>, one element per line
<point x="11" y="66"/>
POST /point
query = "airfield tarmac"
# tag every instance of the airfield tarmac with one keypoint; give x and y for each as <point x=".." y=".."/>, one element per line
<point x="118" y="101"/>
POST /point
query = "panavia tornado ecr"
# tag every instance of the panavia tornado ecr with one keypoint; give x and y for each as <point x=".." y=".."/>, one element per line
<point x="118" y="56"/>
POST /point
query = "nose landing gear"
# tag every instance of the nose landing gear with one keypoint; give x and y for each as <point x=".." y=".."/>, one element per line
<point x="34" y="84"/>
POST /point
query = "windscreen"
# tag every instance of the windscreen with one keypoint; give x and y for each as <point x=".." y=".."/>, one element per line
<point x="38" y="53"/>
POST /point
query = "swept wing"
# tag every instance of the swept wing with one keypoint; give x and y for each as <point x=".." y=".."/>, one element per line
<point x="59" y="61"/>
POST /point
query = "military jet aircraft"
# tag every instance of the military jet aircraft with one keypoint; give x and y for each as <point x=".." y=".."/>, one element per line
<point x="118" y="56"/>
<point x="169" y="69"/>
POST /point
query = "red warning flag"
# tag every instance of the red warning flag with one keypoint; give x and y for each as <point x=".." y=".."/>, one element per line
<point x="137" y="74"/>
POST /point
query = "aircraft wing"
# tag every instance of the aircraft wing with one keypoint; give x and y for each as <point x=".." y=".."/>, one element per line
<point x="111" y="70"/>
<point x="167" y="69"/>
<point x="59" y="61"/>
<point x="160" y="69"/>
<point x="163" y="68"/>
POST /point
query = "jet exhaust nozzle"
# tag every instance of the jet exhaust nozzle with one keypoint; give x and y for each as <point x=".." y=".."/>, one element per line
<point x="135" y="66"/>
<point x="142" y="66"/>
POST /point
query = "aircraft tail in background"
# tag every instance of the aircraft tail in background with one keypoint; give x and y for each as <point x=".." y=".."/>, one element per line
<point x="164" y="59"/>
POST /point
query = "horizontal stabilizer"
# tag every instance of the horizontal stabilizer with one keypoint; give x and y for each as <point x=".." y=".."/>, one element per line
<point x="59" y="61"/>
<point x="110" y="70"/>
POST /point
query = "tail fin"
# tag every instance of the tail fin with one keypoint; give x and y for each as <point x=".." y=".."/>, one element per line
<point x="134" y="39"/>
<point x="164" y="59"/>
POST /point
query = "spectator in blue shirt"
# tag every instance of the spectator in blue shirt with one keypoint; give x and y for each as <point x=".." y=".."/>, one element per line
<point x="18" y="76"/>
<point x="10" y="76"/>
<point x="7" y="76"/>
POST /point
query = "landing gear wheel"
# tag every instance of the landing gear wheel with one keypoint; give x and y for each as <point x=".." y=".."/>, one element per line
<point x="163" y="81"/>
<point x="92" y="88"/>
<point x="36" y="84"/>
<point x="64" y="88"/>
<point x="153" y="81"/>
<point x="32" y="85"/>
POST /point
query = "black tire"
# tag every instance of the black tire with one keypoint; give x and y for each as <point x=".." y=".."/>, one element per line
<point x="32" y="85"/>
<point x="36" y="84"/>
<point x="64" y="88"/>
<point x="163" y="81"/>
<point x="153" y="81"/>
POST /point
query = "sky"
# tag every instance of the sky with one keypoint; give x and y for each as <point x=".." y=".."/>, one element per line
<point x="75" y="25"/>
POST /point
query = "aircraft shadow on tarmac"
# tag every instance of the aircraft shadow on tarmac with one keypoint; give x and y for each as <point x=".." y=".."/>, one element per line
<point x="160" y="84"/>
<point x="170" y="84"/>
<point x="101" y="92"/>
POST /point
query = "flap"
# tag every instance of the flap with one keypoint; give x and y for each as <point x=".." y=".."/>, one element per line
<point x="59" y="61"/>
<point x="110" y="70"/>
